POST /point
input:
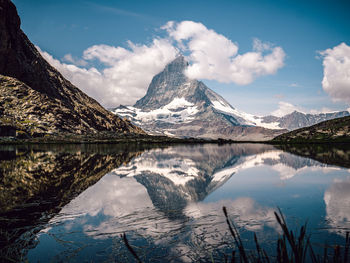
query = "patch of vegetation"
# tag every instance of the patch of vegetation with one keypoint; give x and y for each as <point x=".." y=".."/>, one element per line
<point x="6" y="121"/>
<point x="336" y="130"/>
<point x="26" y="121"/>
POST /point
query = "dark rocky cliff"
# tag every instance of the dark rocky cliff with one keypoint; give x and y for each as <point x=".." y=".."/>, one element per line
<point x="20" y="60"/>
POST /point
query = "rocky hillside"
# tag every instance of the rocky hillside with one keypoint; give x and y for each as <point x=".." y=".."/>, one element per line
<point x="332" y="130"/>
<point x="177" y="106"/>
<point x="34" y="92"/>
<point x="296" y="120"/>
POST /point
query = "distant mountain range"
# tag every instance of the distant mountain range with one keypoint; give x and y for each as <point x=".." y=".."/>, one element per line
<point x="175" y="105"/>
<point x="296" y="120"/>
<point x="35" y="99"/>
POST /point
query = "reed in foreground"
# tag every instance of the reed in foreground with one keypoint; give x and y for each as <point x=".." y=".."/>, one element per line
<point x="291" y="247"/>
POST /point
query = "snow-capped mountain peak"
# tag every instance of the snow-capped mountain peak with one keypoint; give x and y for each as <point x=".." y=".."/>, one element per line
<point x="176" y="105"/>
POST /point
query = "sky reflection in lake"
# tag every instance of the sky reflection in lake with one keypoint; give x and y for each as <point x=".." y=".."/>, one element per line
<point x="169" y="202"/>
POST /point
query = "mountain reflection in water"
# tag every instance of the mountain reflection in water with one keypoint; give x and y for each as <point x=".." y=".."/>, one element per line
<point x="75" y="201"/>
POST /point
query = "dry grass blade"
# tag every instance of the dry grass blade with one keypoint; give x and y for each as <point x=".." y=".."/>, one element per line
<point x="258" y="249"/>
<point x="132" y="251"/>
<point x="299" y="245"/>
<point x="286" y="233"/>
<point x="233" y="259"/>
<point x="236" y="236"/>
<point x="336" y="256"/>
<point x="290" y="248"/>
<point x="266" y="256"/>
<point x="347" y="245"/>
<point x="312" y="253"/>
<point x="325" y="254"/>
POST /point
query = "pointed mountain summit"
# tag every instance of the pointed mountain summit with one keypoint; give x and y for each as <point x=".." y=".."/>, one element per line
<point x="35" y="99"/>
<point x="176" y="105"/>
<point x="165" y="85"/>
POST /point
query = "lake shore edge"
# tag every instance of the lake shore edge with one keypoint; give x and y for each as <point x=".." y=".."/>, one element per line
<point x="151" y="139"/>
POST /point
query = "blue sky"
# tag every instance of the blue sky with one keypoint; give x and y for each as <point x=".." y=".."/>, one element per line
<point x="300" y="28"/>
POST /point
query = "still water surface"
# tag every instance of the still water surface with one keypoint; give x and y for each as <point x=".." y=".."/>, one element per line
<point x="71" y="203"/>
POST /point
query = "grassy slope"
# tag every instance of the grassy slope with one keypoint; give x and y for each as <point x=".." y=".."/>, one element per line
<point x="336" y="130"/>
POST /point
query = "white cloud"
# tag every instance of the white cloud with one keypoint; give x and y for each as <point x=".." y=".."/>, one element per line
<point x="127" y="72"/>
<point x="78" y="62"/>
<point x="260" y="46"/>
<point x="336" y="72"/>
<point x="322" y="110"/>
<point x="285" y="108"/>
<point x="215" y="57"/>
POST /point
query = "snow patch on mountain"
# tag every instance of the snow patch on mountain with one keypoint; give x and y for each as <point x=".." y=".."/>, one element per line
<point x="245" y="118"/>
<point x="272" y="125"/>
<point x="175" y="105"/>
<point x="179" y="110"/>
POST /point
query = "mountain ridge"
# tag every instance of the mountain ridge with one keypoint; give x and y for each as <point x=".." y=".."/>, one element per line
<point x="297" y="119"/>
<point x="174" y="101"/>
<point x="22" y="64"/>
<point x="178" y="106"/>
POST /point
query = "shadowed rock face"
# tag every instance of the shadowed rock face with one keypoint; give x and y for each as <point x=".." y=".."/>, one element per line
<point x="20" y="60"/>
<point x="165" y="86"/>
<point x="182" y="107"/>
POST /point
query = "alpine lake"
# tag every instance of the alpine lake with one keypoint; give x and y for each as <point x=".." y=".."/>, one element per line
<point x="73" y="202"/>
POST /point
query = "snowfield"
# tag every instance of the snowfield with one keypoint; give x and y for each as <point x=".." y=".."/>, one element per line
<point x="249" y="119"/>
<point x="177" y="111"/>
